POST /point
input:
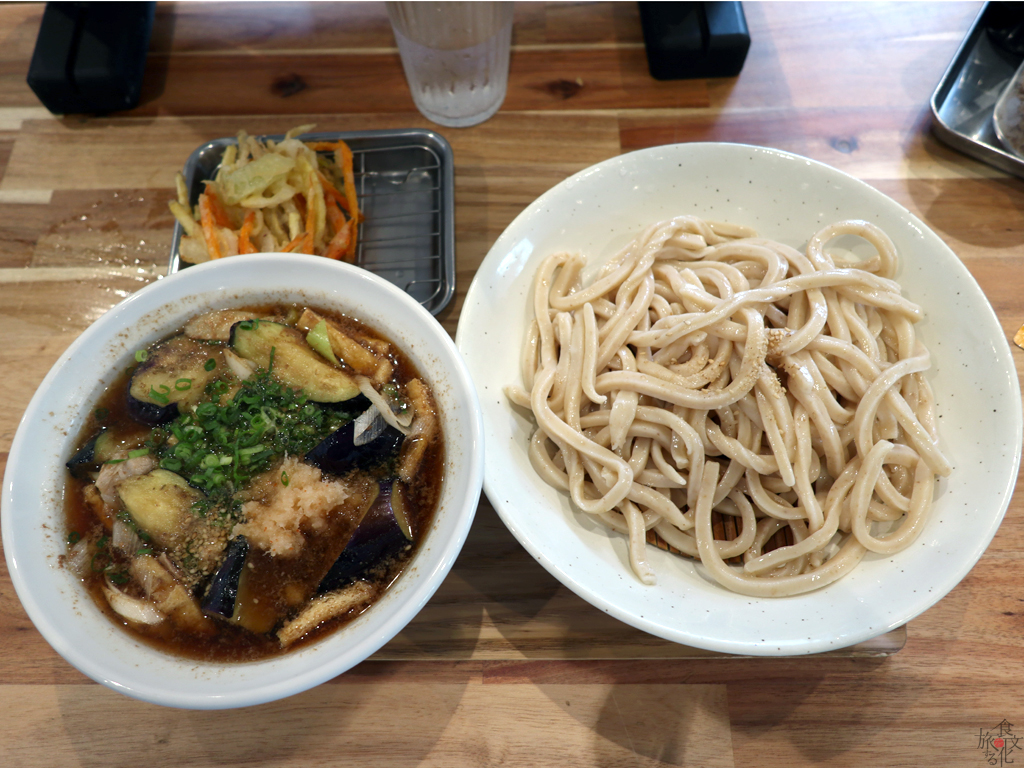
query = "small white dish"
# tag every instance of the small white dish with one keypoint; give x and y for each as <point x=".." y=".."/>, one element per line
<point x="787" y="198"/>
<point x="33" y="516"/>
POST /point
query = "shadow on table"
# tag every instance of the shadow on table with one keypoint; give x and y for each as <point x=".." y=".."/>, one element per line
<point x="329" y="725"/>
<point x="500" y="604"/>
<point x="953" y="209"/>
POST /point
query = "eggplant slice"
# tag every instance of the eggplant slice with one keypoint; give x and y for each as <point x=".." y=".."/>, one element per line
<point x="100" y="448"/>
<point x="383" y="531"/>
<point x="174" y="373"/>
<point x="294" y="362"/>
<point x="223" y="590"/>
<point x="160" y="502"/>
<point x="268" y="587"/>
<point x="362" y="443"/>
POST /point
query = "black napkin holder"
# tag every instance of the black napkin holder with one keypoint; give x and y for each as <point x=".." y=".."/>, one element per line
<point x="89" y="57"/>
<point x="686" y="40"/>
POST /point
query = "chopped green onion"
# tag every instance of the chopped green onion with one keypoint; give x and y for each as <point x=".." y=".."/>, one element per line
<point x="141" y="355"/>
<point x="101" y="414"/>
<point x="320" y="341"/>
<point x="96" y="563"/>
<point x="160" y="395"/>
<point x="284" y="478"/>
<point x="210" y="364"/>
<point x="207" y="411"/>
<point x="74" y="537"/>
<point x="182" y="385"/>
<point x="217" y="388"/>
<point x="221" y="444"/>
<point x="137" y="453"/>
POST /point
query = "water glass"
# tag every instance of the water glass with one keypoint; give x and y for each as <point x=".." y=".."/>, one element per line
<point x="455" y="56"/>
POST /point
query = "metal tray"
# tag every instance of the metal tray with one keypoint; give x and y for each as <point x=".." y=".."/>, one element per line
<point x="964" y="101"/>
<point x="405" y="184"/>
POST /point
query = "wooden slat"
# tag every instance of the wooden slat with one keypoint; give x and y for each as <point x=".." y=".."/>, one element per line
<point x="346" y="83"/>
<point x="213" y="27"/>
<point x="363" y="723"/>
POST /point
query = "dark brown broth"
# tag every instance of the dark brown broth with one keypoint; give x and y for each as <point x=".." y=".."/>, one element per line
<point x="231" y="642"/>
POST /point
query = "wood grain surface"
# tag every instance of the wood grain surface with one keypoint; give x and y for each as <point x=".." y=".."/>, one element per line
<point x="505" y="666"/>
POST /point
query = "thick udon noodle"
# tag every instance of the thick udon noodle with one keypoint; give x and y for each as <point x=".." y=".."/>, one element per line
<point x="706" y="370"/>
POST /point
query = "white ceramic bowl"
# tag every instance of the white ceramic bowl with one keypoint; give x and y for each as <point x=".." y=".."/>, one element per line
<point x="787" y="198"/>
<point x="33" y="523"/>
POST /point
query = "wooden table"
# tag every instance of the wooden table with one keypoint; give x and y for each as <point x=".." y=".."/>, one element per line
<point x="506" y="666"/>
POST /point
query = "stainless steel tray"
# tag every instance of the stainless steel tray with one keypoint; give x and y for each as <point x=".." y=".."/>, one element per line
<point x="965" y="98"/>
<point x="405" y="184"/>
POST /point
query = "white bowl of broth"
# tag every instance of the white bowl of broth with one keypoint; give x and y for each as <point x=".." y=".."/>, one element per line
<point x="41" y="512"/>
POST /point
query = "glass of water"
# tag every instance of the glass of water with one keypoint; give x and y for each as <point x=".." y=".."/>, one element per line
<point x="455" y="56"/>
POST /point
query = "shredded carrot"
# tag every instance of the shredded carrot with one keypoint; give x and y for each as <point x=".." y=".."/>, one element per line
<point x="220" y="214"/>
<point x="323" y="146"/>
<point x="338" y="247"/>
<point x="302" y="244"/>
<point x="244" y="243"/>
<point x="312" y="211"/>
<point x="311" y="220"/>
<point x="206" y="218"/>
<point x="294" y="244"/>
<point x="347" y="243"/>
<point x="334" y="214"/>
<point x="350" y="252"/>
<point x="332" y="192"/>
<point x="348" y="174"/>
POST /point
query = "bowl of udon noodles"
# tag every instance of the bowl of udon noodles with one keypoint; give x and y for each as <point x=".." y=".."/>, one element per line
<point x="241" y="481"/>
<point x="747" y="402"/>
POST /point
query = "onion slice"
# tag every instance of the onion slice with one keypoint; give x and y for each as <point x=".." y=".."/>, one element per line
<point x="79" y="558"/>
<point x="239" y="366"/>
<point x="383" y="406"/>
<point x="124" y="538"/>
<point x="130" y="608"/>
